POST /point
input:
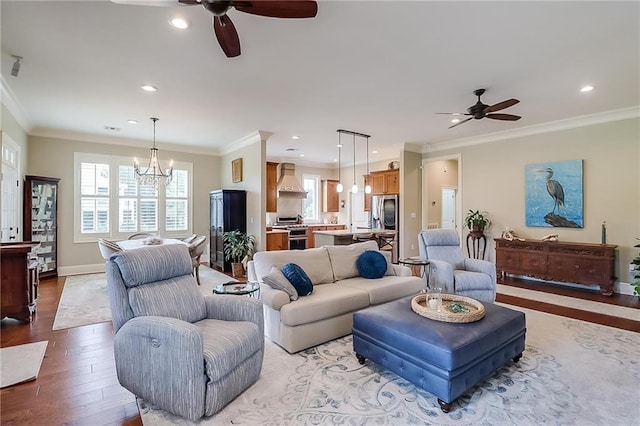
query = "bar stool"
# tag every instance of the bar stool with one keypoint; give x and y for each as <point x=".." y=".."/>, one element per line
<point x="387" y="242"/>
<point x="360" y="237"/>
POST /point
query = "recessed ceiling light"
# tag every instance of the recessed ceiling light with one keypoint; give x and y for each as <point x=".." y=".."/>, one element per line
<point x="335" y="160"/>
<point x="586" y="89"/>
<point x="295" y="137"/>
<point x="179" y="23"/>
<point x="132" y="121"/>
<point x="455" y="120"/>
<point x="375" y="151"/>
<point x="301" y="155"/>
<point x="149" y="88"/>
<point x="339" y="145"/>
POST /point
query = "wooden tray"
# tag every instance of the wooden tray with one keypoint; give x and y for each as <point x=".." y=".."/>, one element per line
<point x="475" y="309"/>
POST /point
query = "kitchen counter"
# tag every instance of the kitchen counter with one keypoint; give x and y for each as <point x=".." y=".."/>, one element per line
<point x="342" y="237"/>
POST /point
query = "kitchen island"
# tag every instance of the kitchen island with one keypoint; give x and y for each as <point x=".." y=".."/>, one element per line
<point x="345" y="237"/>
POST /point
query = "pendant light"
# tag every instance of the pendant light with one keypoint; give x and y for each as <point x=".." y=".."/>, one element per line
<point x="153" y="175"/>
<point x="354" y="188"/>
<point x="339" y="186"/>
<point x="367" y="188"/>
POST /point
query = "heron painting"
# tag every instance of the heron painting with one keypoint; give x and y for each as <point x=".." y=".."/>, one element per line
<point x="553" y="194"/>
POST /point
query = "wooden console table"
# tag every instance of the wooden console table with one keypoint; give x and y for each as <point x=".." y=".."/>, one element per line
<point x="583" y="263"/>
<point x="19" y="280"/>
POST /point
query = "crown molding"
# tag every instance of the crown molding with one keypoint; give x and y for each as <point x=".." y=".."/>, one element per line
<point x="113" y="140"/>
<point x="552" y="126"/>
<point x="250" y="139"/>
<point x="11" y="102"/>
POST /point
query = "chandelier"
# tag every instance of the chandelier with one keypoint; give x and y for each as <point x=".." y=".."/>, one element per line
<point x="153" y="175"/>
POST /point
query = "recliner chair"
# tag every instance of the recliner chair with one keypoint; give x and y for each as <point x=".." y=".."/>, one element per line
<point x="175" y="348"/>
<point x="453" y="272"/>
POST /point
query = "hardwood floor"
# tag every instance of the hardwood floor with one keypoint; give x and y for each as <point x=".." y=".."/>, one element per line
<point x="77" y="383"/>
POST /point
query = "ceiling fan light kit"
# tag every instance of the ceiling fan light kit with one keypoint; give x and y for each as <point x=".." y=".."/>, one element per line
<point x="480" y="110"/>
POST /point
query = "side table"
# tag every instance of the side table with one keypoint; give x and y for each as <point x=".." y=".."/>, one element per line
<point x="419" y="267"/>
<point x="239" y="288"/>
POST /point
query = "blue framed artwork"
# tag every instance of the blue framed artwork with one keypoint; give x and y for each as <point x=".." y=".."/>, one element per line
<point x="554" y="194"/>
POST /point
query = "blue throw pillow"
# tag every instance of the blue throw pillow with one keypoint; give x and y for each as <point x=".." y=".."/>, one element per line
<point x="371" y="264"/>
<point x="298" y="278"/>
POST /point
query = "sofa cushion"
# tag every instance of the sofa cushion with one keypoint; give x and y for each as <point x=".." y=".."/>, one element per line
<point x="387" y="288"/>
<point x="371" y="264"/>
<point x="276" y="280"/>
<point x="327" y="301"/>
<point x="315" y="263"/>
<point x="344" y="258"/>
<point x="390" y="269"/>
<point x="298" y="278"/>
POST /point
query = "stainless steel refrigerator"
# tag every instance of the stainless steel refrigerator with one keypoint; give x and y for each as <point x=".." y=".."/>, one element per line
<point x="384" y="212"/>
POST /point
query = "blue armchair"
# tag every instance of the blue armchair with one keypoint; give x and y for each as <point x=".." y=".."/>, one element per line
<point x="177" y="349"/>
<point x="452" y="271"/>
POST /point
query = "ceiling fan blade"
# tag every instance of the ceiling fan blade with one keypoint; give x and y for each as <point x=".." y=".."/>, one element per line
<point x="279" y="9"/>
<point x="227" y="36"/>
<point x="189" y="2"/>
<point x="452" y="113"/>
<point x="500" y="105"/>
<point x="462" y="122"/>
<point x="507" y="117"/>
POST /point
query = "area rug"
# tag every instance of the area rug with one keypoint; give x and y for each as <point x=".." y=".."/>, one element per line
<point x="571" y="373"/>
<point x="21" y="363"/>
<point x="85" y="299"/>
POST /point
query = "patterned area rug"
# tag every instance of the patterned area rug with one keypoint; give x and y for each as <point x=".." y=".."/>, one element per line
<point x="21" y="363"/>
<point x="571" y="373"/>
<point x="85" y="299"/>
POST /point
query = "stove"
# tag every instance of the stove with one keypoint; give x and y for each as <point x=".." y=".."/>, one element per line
<point x="297" y="231"/>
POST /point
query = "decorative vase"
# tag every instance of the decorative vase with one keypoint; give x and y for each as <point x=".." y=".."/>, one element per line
<point x="237" y="270"/>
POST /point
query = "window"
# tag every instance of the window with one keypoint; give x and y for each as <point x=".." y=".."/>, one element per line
<point x="311" y="204"/>
<point x="106" y="187"/>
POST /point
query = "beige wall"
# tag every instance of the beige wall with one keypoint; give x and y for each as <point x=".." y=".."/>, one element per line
<point x="410" y="202"/>
<point x="253" y="181"/>
<point x="493" y="180"/>
<point x="54" y="157"/>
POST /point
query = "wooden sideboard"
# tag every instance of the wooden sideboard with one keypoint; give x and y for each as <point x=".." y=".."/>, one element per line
<point x="582" y="263"/>
<point x="19" y="272"/>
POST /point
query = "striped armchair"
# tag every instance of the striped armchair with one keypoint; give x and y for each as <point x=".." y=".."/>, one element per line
<point x="453" y="272"/>
<point x="181" y="351"/>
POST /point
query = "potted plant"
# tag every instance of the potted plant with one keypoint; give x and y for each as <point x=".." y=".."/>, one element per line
<point x="477" y="221"/>
<point x="636" y="283"/>
<point x="238" y="247"/>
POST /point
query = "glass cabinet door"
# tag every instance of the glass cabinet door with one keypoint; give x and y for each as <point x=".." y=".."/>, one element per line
<point x="41" y="221"/>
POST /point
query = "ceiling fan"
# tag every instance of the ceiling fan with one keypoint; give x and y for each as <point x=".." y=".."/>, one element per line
<point x="223" y="27"/>
<point x="480" y="110"/>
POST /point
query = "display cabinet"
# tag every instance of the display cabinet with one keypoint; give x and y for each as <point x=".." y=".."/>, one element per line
<point x="41" y="221"/>
<point x="228" y="212"/>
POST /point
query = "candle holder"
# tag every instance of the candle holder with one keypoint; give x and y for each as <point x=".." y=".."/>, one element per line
<point x="434" y="298"/>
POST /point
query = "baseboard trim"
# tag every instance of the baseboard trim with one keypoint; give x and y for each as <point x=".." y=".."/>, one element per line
<point x="81" y="269"/>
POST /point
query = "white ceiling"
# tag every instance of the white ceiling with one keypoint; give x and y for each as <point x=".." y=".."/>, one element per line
<point x="381" y="68"/>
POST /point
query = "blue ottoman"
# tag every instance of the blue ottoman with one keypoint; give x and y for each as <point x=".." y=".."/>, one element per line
<point x="442" y="358"/>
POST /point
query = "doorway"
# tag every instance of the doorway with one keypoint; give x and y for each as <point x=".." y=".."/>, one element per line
<point x="448" y="220"/>
<point x="10" y="204"/>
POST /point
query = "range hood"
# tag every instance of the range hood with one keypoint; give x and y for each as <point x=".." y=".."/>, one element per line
<point x="288" y="184"/>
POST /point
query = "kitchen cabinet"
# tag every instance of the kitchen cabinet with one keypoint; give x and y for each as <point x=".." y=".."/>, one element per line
<point x="385" y="182"/>
<point x="367" y="197"/>
<point x="330" y="196"/>
<point x="272" y="187"/>
<point x="583" y="263"/>
<point x="277" y="240"/>
<point x="19" y="277"/>
<point x="40" y="221"/>
<point x="227" y="212"/>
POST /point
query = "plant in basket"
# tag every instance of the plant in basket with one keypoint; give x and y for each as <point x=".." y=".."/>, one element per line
<point x="238" y="248"/>
<point x="477" y="221"/>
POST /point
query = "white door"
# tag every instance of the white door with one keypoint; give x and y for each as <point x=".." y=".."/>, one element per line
<point x="9" y="208"/>
<point x="448" y="208"/>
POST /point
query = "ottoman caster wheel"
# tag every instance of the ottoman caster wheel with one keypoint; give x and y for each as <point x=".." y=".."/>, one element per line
<point x="445" y="406"/>
<point x="517" y="357"/>
<point x="361" y="359"/>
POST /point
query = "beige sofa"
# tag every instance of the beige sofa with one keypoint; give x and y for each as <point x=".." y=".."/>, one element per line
<point x="338" y="291"/>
